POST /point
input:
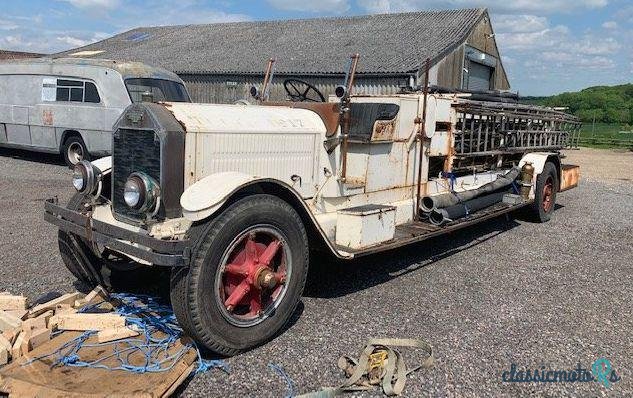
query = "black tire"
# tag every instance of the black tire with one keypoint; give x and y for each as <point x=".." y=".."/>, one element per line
<point x="71" y="143"/>
<point x="115" y="274"/>
<point x="77" y="256"/>
<point x="539" y="211"/>
<point x="193" y="293"/>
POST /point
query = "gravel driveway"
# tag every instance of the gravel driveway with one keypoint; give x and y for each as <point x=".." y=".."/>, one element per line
<point x="537" y="295"/>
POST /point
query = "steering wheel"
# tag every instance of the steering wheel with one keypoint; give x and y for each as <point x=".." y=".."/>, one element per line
<point x="302" y="91"/>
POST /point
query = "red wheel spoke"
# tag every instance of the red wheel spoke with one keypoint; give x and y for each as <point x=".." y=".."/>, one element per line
<point x="236" y="269"/>
<point x="255" y="302"/>
<point x="281" y="277"/>
<point x="250" y="248"/>
<point x="269" y="253"/>
<point x="253" y="276"/>
<point x="238" y="294"/>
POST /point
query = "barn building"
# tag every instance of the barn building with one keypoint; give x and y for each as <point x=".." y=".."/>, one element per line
<point x="220" y="62"/>
<point x="6" y="55"/>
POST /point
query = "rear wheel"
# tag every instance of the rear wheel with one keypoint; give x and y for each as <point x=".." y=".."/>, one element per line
<point x="246" y="275"/>
<point x="74" y="150"/>
<point x="545" y="194"/>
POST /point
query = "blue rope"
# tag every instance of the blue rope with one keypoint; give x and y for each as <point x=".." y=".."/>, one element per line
<point x="290" y="384"/>
<point x="153" y="320"/>
<point x="452" y="178"/>
<point x="515" y="188"/>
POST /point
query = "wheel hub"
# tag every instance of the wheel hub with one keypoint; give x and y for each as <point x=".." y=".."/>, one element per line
<point x="548" y="192"/>
<point x="75" y="153"/>
<point x="253" y="276"/>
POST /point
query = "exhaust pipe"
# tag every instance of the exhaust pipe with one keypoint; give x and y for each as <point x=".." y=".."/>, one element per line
<point x="443" y="200"/>
<point x="450" y="213"/>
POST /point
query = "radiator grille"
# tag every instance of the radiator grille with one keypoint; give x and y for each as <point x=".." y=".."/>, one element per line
<point x="133" y="151"/>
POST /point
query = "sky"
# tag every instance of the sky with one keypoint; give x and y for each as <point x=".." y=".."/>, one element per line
<point x="547" y="46"/>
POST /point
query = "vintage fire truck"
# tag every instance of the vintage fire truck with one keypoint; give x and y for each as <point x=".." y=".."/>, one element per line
<point x="234" y="198"/>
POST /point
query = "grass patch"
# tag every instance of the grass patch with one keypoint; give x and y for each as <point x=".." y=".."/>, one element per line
<point x="606" y="135"/>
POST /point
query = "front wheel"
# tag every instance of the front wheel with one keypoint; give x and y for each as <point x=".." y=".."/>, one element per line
<point x="246" y="275"/>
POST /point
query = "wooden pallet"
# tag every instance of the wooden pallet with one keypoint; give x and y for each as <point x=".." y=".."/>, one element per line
<point x="39" y="379"/>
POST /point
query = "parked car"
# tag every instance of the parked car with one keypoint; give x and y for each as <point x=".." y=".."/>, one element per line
<point x="68" y="105"/>
<point x="234" y="198"/>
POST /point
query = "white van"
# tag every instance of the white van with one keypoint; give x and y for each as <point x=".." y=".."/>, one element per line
<point x="68" y="105"/>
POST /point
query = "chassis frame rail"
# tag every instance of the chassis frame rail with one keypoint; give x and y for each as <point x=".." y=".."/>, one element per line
<point x="171" y="253"/>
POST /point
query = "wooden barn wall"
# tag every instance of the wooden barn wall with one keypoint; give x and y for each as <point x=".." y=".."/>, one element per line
<point x="226" y="89"/>
<point x="450" y="68"/>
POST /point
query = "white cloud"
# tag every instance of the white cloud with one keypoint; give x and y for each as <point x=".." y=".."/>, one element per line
<point x="625" y="14"/>
<point x="327" y="6"/>
<point x="8" y="25"/>
<point x="498" y="6"/>
<point x="610" y="25"/>
<point x="518" y="23"/>
<point x="376" y="6"/>
<point x="94" y="4"/>
<point x="158" y="12"/>
<point x="590" y="45"/>
<point x="545" y="38"/>
<point x="72" y="41"/>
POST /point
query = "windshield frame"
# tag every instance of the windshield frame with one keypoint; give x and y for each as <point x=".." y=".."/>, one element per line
<point x="141" y="80"/>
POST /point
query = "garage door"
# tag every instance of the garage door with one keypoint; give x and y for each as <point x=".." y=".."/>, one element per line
<point x="479" y="76"/>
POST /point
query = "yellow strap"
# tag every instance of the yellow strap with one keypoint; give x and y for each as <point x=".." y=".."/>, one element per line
<point x="395" y="371"/>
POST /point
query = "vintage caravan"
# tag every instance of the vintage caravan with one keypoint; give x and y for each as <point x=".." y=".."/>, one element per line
<point x="68" y="105"/>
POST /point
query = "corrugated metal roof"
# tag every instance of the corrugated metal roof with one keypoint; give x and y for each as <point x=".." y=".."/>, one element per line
<point x="5" y="54"/>
<point x="388" y="43"/>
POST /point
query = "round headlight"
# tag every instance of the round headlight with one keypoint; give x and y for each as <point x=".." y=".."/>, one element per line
<point x="79" y="177"/>
<point x="141" y="192"/>
<point x="133" y="192"/>
<point x="85" y="177"/>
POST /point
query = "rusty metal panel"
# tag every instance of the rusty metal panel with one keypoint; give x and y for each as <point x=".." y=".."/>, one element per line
<point x="365" y="226"/>
<point x="569" y="176"/>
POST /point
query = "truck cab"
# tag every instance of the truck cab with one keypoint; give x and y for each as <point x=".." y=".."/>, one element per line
<point x="233" y="198"/>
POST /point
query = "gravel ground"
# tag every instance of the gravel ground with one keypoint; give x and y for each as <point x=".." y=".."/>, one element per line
<point x="553" y="295"/>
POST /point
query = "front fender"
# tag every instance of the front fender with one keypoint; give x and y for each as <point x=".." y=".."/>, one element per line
<point x="206" y="196"/>
<point x="538" y="160"/>
<point x="103" y="164"/>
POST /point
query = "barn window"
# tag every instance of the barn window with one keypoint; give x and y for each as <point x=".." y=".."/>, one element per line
<point x="479" y="70"/>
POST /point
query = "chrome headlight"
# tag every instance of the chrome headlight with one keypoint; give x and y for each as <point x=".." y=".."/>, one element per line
<point x="85" y="177"/>
<point x="141" y="192"/>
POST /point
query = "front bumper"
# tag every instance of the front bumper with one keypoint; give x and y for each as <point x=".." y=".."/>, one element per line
<point x="171" y="253"/>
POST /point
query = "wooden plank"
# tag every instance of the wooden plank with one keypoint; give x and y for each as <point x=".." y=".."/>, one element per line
<point x="37" y="337"/>
<point x="96" y="296"/>
<point x="21" y="314"/>
<point x="18" y="347"/>
<point x="83" y="322"/>
<point x="42" y="380"/>
<point x="5" y="343"/>
<point x="118" y="333"/>
<point x="4" y="356"/>
<point x="11" y="334"/>
<point x="8" y="321"/>
<point x="9" y="303"/>
<point x="51" y="305"/>
<point x="33" y="324"/>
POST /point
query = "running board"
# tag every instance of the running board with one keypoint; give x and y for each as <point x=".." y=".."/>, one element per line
<point x="418" y="231"/>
